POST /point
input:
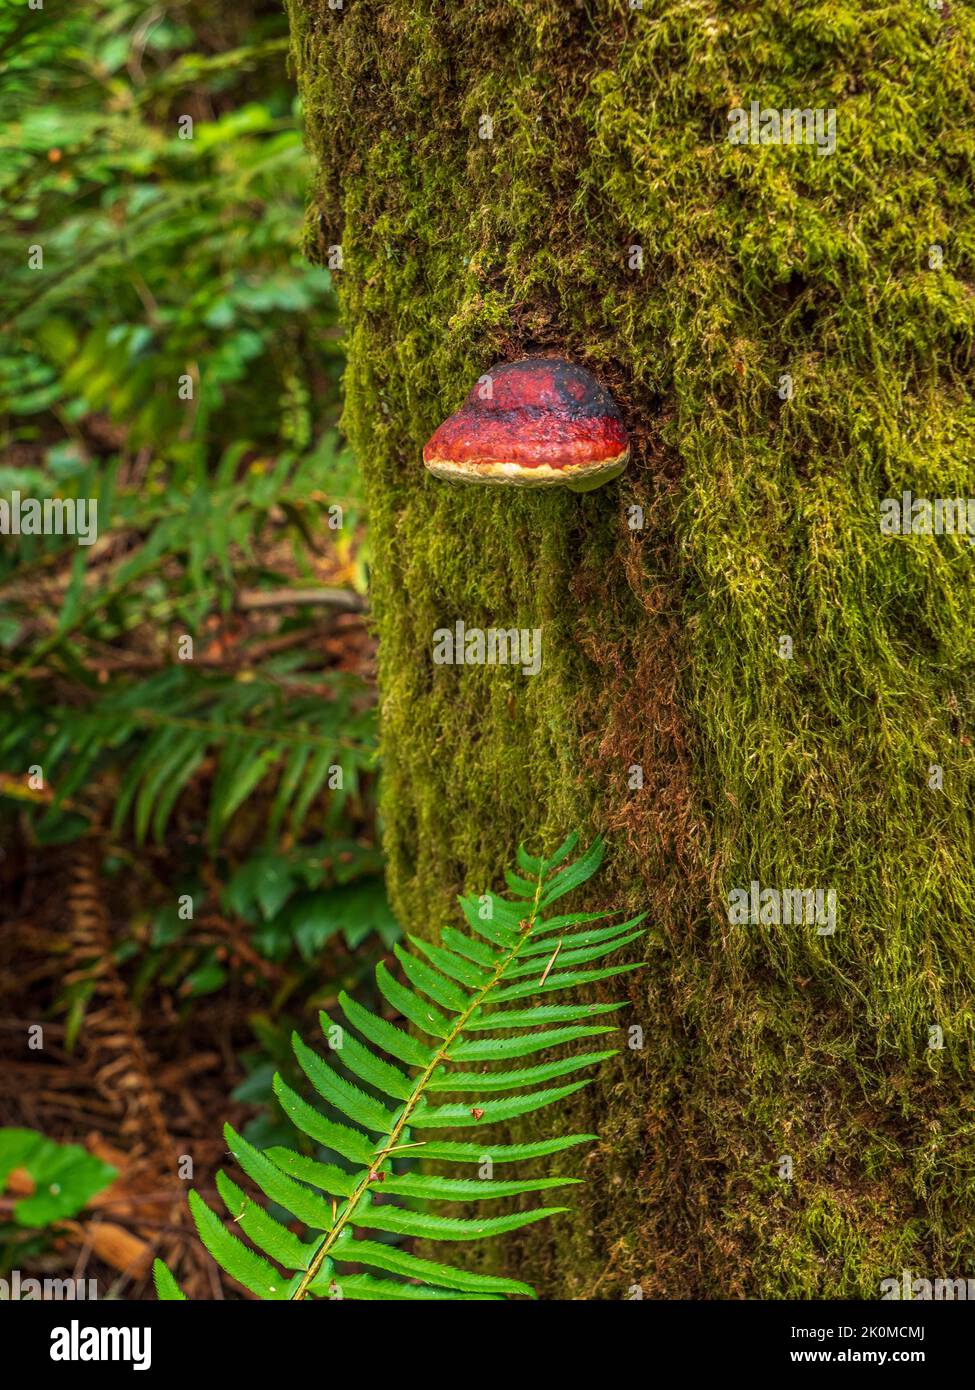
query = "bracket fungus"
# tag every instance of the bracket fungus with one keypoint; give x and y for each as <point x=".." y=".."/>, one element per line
<point x="539" y="422"/>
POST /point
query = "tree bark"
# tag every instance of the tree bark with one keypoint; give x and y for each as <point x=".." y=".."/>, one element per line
<point x="789" y="346"/>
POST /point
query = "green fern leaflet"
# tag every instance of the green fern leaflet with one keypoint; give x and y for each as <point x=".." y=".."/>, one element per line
<point x="478" y="998"/>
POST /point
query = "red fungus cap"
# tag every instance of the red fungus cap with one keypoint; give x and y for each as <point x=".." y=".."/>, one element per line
<point x="537" y="422"/>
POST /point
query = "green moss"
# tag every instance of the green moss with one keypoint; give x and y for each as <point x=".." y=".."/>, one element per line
<point x="661" y="645"/>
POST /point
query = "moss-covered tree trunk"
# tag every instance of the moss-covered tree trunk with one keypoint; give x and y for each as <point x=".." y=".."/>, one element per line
<point x="788" y="330"/>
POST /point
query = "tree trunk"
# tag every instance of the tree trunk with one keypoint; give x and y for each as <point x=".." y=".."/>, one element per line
<point x="787" y="329"/>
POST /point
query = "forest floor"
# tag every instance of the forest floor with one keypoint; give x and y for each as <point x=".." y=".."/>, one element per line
<point x="142" y="1073"/>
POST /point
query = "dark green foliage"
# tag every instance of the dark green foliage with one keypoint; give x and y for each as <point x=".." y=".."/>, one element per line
<point x="280" y="892"/>
<point x="254" y="729"/>
<point x="166" y="260"/>
<point x="162" y="255"/>
<point x="373" y="1096"/>
<point x="175" y="359"/>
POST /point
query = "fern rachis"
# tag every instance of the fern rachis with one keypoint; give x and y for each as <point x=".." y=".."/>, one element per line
<point x="451" y="994"/>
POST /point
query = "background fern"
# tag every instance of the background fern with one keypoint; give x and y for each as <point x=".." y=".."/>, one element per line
<point x="513" y="955"/>
<point x="228" y="790"/>
<point x="282" y="723"/>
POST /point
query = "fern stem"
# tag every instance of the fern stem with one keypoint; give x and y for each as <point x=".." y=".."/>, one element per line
<point x="154" y="719"/>
<point x="410" y="1105"/>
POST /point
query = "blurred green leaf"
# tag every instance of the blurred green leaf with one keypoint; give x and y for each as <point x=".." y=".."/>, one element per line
<point x="65" y="1176"/>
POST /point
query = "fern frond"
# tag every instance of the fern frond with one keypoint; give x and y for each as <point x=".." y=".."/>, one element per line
<point x="161" y="729"/>
<point x="167" y="1289"/>
<point x="384" y="1113"/>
